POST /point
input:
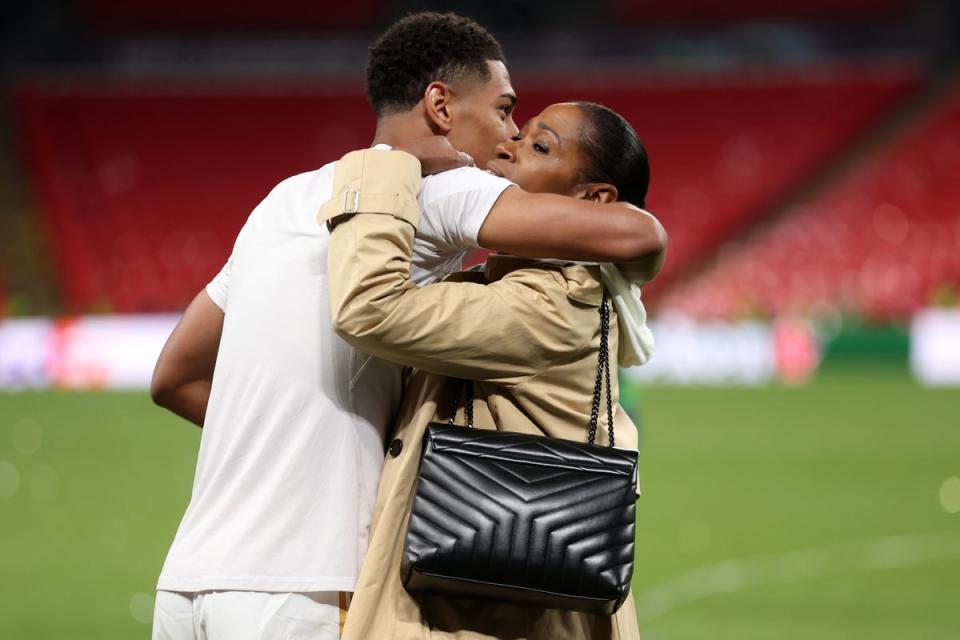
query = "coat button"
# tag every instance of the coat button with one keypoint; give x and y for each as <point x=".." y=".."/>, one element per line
<point x="396" y="447"/>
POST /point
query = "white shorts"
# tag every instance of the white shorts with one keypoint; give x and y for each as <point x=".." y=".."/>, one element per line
<point x="249" y="615"/>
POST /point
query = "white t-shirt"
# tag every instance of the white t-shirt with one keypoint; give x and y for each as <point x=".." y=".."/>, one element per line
<point x="293" y="440"/>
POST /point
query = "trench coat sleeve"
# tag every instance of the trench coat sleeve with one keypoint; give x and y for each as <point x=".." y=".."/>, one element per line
<point x="504" y="332"/>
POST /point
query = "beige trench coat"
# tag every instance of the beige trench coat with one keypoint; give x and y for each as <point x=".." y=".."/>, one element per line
<point x="527" y="334"/>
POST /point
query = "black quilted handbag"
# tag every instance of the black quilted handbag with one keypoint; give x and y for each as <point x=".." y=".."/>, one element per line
<point x="524" y="519"/>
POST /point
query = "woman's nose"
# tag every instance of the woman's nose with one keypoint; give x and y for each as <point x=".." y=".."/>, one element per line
<point x="505" y="151"/>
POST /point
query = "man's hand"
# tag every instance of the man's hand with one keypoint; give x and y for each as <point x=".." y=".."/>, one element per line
<point x="436" y="155"/>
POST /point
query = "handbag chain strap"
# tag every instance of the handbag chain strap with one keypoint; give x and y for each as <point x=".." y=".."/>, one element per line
<point x="603" y="379"/>
<point x="467" y="406"/>
<point x="603" y="376"/>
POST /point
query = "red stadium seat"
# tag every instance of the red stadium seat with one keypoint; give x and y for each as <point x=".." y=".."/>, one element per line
<point x="144" y="191"/>
<point x="882" y="243"/>
<point x="143" y="188"/>
<point x="725" y="148"/>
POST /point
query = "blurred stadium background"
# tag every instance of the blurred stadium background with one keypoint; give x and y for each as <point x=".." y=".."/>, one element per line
<point x="800" y="422"/>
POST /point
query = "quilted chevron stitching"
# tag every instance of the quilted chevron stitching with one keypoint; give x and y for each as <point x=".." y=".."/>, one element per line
<point x="620" y="464"/>
<point x="475" y="440"/>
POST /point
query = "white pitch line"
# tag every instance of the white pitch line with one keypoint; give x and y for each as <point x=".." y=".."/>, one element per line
<point x="893" y="552"/>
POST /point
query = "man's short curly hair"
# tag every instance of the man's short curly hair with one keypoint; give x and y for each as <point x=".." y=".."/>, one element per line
<point x="422" y="48"/>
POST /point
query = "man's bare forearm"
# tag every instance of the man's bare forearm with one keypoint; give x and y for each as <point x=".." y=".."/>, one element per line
<point x="189" y="401"/>
<point x="184" y="372"/>
<point x="552" y="226"/>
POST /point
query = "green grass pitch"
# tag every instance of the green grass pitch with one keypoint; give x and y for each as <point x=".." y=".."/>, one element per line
<point x="817" y="512"/>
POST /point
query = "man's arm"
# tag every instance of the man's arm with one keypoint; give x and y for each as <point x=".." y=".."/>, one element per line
<point x="542" y="225"/>
<point x="184" y="372"/>
<point x="644" y="270"/>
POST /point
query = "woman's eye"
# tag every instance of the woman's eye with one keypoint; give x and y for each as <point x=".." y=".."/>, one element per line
<point x="541" y="148"/>
<point x="516" y="138"/>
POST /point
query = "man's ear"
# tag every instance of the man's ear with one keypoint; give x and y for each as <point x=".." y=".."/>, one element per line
<point x="601" y="192"/>
<point x="437" y="99"/>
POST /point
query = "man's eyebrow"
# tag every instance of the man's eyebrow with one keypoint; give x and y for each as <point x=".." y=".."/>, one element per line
<point x="511" y="97"/>
<point x="544" y="125"/>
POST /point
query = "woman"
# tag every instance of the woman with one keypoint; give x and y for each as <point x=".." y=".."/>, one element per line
<point x="527" y="333"/>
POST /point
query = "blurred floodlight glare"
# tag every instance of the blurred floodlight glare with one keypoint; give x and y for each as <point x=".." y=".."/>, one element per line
<point x="950" y="495"/>
<point x="935" y="346"/>
<point x="9" y="479"/>
<point x="141" y="607"/>
<point x="27" y="437"/>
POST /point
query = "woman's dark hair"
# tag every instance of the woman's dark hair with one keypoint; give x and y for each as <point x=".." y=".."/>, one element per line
<point x="614" y="153"/>
<point x="422" y="48"/>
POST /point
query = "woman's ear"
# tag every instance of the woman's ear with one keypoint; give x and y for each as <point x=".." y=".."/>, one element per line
<point x="598" y="192"/>
<point x="436" y="104"/>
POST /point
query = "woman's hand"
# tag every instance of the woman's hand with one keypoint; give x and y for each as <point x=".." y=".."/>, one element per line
<point x="436" y="155"/>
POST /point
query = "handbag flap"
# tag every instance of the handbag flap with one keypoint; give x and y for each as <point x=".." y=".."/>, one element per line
<point x="528" y="449"/>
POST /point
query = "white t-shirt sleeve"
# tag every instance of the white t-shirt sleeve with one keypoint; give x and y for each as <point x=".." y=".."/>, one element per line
<point x="218" y="287"/>
<point x="455" y="205"/>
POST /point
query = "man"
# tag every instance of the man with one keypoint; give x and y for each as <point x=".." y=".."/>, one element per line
<point x="294" y="418"/>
